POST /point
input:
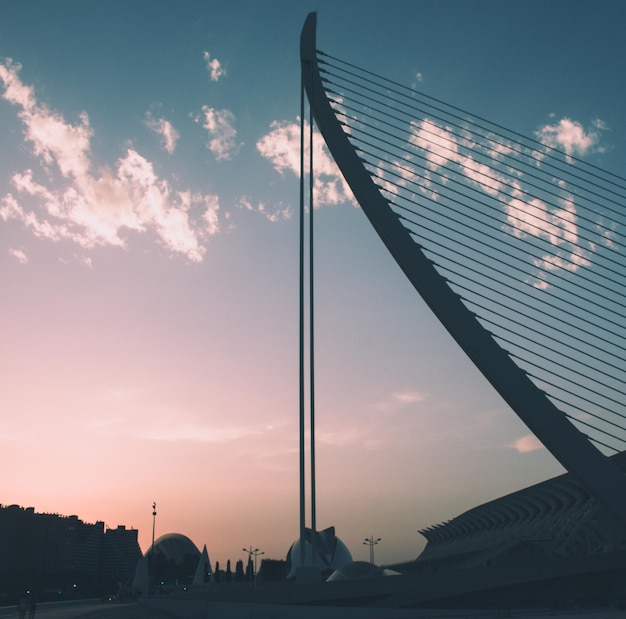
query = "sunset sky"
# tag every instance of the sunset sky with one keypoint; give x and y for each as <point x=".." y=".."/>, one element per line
<point x="149" y="262"/>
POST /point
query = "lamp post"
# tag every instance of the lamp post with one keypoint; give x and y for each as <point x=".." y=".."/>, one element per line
<point x="253" y="553"/>
<point x="371" y="542"/>
<point x="153" y="522"/>
<point x="151" y="564"/>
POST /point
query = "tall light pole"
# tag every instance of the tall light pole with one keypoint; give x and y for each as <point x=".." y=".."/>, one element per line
<point x="371" y="542"/>
<point x="253" y="553"/>
<point x="153" y="523"/>
<point x="151" y="564"/>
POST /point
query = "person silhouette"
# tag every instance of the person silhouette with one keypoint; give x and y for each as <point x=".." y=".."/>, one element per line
<point x="21" y="607"/>
<point x="32" y="606"/>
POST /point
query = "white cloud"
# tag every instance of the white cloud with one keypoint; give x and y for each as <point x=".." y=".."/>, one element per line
<point x="570" y="136"/>
<point x="52" y="139"/>
<point x="89" y="207"/>
<point x="555" y="224"/>
<point x="281" y="147"/>
<point x="19" y="255"/>
<point x="442" y="148"/>
<point x="482" y="175"/>
<point x="201" y="433"/>
<point x="599" y="124"/>
<point x="526" y="444"/>
<point x="418" y="79"/>
<point x="406" y="175"/>
<point x="363" y="437"/>
<point x="278" y="212"/>
<point x="525" y="215"/>
<point x="214" y="66"/>
<point x="162" y="127"/>
<point x="16" y="92"/>
<point x="401" y="399"/>
<point x="219" y="124"/>
<point x="439" y="144"/>
<point x="409" y="397"/>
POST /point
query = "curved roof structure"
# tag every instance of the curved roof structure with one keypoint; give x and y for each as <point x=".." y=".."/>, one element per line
<point x="330" y="552"/>
<point x="174" y="546"/>
<point x="357" y="570"/>
<point x="558" y="518"/>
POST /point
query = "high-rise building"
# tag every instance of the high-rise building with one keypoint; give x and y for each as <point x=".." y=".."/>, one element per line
<point x="55" y="556"/>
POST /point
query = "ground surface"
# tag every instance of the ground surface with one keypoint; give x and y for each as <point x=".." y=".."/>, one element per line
<point x="92" y="611"/>
<point x="119" y="611"/>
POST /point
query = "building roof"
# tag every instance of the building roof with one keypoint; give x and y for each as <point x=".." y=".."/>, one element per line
<point x="557" y="517"/>
<point x="174" y="546"/>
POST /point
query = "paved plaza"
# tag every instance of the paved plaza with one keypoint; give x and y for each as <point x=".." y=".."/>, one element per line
<point x="91" y="610"/>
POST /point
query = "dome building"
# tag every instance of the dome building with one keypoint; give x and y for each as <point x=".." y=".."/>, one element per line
<point x="174" y="547"/>
<point x="330" y="552"/>
<point x="171" y="562"/>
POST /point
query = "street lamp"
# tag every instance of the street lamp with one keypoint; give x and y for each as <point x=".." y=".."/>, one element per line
<point x="253" y="553"/>
<point x="151" y="564"/>
<point x="153" y="523"/>
<point x="371" y="542"/>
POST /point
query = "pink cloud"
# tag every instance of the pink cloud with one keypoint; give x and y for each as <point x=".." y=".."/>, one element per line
<point x="409" y="397"/>
<point x="399" y="399"/>
<point x="19" y="255"/>
<point x="526" y="444"/>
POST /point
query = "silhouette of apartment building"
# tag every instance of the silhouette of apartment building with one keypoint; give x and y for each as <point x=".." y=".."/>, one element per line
<point x="55" y="556"/>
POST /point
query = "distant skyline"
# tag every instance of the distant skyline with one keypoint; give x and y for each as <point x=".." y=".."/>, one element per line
<point x="149" y="259"/>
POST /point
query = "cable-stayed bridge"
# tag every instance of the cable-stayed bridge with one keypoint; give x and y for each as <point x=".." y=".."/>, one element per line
<point x="518" y="249"/>
<point x="516" y="245"/>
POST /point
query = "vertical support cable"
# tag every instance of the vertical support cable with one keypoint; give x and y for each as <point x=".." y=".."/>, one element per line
<point x="301" y="378"/>
<point x="311" y="335"/>
<point x="306" y="68"/>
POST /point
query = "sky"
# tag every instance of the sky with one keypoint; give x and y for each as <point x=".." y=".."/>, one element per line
<point x="149" y="265"/>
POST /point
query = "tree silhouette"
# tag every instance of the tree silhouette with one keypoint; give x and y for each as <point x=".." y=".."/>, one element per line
<point x="239" y="573"/>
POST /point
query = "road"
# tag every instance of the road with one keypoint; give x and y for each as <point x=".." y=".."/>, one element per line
<point x="87" y="609"/>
